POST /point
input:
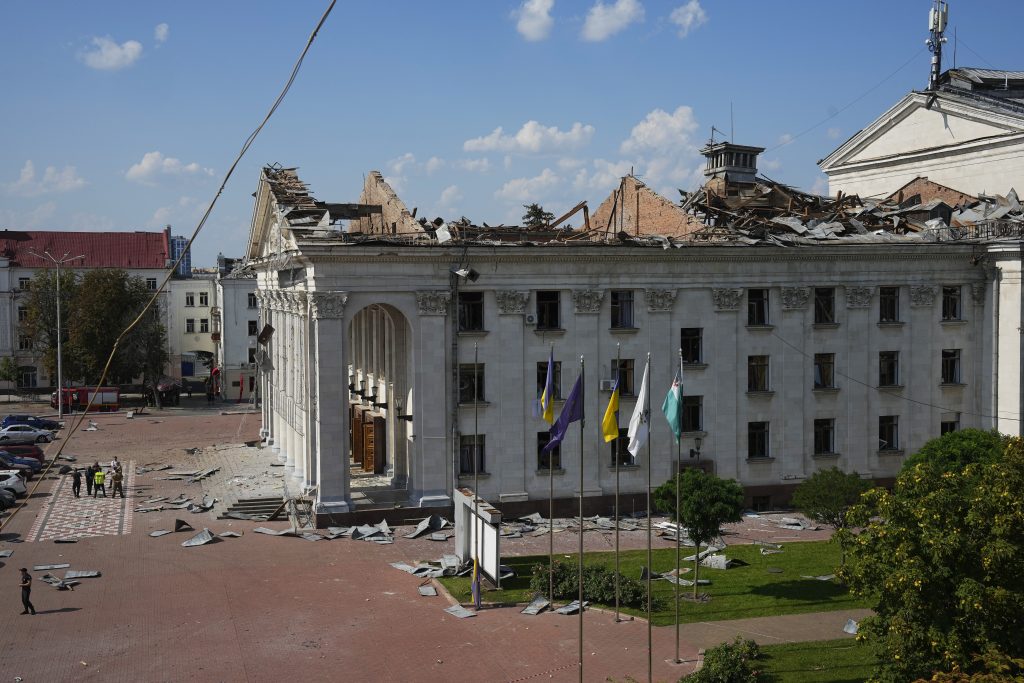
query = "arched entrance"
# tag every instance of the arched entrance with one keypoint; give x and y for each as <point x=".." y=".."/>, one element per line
<point x="380" y="393"/>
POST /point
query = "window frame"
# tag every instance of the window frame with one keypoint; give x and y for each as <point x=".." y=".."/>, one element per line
<point x="623" y="309"/>
<point x="951" y="366"/>
<point x="756" y="369"/>
<point x="625" y="373"/>
<point x="204" y="325"/>
<point x="190" y="325"/>
<point x="554" y="456"/>
<point x="687" y="342"/>
<point x="253" y="327"/>
<point x="471" y="311"/>
<point x="620" y="450"/>
<point x="889" y="426"/>
<point x="693" y="413"/>
<point x="556" y="378"/>
<point x="190" y="299"/>
<point x="758" y="313"/>
<point x="151" y="284"/>
<point x="824" y="305"/>
<point x="548" y="305"/>
<point x="758" y="434"/>
<point x="824" y="436"/>
<point x="952" y="303"/>
<point x="470" y="445"/>
<point x="204" y="299"/>
<point x="474" y="374"/>
<point x="824" y="371"/>
<point x="251" y="300"/>
<point x="889" y="361"/>
<point x="888" y="297"/>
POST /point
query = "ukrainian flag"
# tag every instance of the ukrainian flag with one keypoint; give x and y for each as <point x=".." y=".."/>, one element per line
<point x="547" y="397"/>
<point x="610" y="423"/>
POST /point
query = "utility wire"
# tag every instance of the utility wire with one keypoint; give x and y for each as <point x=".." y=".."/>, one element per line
<point x="170" y="272"/>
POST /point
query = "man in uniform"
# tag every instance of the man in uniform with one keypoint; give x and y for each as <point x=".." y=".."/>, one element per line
<point x="117" y="478"/>
<point x="98" y="479"/>
<point x="26" y="592"/>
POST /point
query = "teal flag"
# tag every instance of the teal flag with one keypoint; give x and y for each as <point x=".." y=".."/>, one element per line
<point x="673" y="405"/>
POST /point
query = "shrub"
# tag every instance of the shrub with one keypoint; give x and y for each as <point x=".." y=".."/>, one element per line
<point x="729" y="663"/>
<point x="598" y="585"/>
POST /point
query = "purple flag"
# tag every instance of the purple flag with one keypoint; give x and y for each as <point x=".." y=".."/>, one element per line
<point x="572" y="411"/>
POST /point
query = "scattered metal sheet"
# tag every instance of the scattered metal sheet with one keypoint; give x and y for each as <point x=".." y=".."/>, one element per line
<point x="407" y="568"/>
<point x="82" y="574"/>
<point x="774" y="570"/>
<point x="159" y="499"/>
<point x="230" y="534"/>
<point x="58" y="583"/>
<point x="440" y="537"/>
<point x="644" y="573"/>
<point x="6" y="553"/>
<point x="160" y="532"/>
<point x="47" y="567"/>
<point x="823" y="577"/>
<point x="851" y="627"/>
<point x="65" y="540"/>
<point x="572" y="608"/>
<point x="539" y="604"/>
<point x="182" y="525"/>
<point x="460" y="612"/>
<point x="427" y="591"/>
<point x="450" y="564"/>
<point x="274" y="532"/>
<point x="202" y="538"/>
<point x="431" y="523"/>
<point x="312" y="537"/>
<point x="148" y="508"/>
<point x="716" y="561"/>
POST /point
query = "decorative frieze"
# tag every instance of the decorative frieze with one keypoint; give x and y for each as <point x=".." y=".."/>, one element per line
<point x="328" y="304"/>
<point x="511" y="302"/>
<point x="587" y="300"/>
<point x="922" y="295"/>
<point x="296" y="302"/>
<point x="660" y="300"/>
<point x="727" y="299"/>
<point x="794" y="298"/>
<point x="858" y="296"/>
<point x="433" y="302"/>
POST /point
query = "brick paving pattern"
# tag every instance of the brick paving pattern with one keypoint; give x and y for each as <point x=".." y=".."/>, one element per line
<point x="65" y="516"/>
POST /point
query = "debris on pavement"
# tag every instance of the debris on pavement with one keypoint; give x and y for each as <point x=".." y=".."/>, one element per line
<point x="230" y="534"/>
<point x="59" y="584"/>
<point x="202" y="538"/>
<point x="431" y="523"/>
<point x="81" y="574"/>
<point x="48" y="567"/>
<point x="459" y="611"/>
<point x="182" y="525"/>
<point x="538" y="605"/>
<point x="572" y="608"/>
<point x="851" y="627"/>
<point x="160" y="532"/>
<point x="427" y="591"/>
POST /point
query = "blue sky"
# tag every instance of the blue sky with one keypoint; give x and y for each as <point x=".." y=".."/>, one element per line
<point x="125" y="115"/>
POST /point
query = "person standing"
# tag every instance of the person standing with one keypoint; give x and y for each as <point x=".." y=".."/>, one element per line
<point x="26" y="592"/>
<point x="90" y="474"/>
<point x="118" y="479"/>
<point x="98" y="482"/>
<point x="115" y="463"/>
<point x="76" y="483"/>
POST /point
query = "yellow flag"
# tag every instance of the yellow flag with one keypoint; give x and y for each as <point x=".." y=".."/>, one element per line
<point x="610" y="423"/>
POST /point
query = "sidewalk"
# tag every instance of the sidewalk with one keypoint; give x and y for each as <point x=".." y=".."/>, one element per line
<point x="790" y="628"/>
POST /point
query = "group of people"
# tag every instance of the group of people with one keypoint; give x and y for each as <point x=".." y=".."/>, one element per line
<point x="96" y="480"/>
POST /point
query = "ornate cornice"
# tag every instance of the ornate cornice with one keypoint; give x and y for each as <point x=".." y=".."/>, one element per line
<point x="511" y="301"/>
<point x="727" y="299"/>
<point x="858" y="296"/>
<point x="433" y="302"/>
<point x="587" y="300"/>
<point x="794" y="298"/>
<point x="660" y="300"/>
<point x="922" y="295"/>
<point x="328" y="304"/>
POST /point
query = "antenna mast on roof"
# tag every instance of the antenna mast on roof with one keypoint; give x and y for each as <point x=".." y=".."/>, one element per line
<point x="938" y="15"/>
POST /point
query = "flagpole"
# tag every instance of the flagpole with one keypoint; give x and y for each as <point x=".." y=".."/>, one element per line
<point x="650" y="569"/>
<point x="476" y="470"/>
<point x="679" y="531"/>
<point x="582" y="398"/>
<point x="551" y="506"/>
<point x="615" y="452"/>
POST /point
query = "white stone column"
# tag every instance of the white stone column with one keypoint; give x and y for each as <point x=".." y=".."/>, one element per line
<point x="276" y="375"/>
<point x="328" y="407"/>
<point x="518" y="451"/>
<point x="431" y="469"/>
<point x="301" y="390"/>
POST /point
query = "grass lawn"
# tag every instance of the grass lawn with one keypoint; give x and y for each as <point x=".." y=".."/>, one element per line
<point x="748" y="590"/>
<point x="823" y="661"/>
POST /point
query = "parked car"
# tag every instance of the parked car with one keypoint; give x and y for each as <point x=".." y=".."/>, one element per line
<point x="11" y="481"/>
<point x="7" y="499"/>
<point x="33" y="464"/>
<point x="31" y="421"/>
<point x="25" y="434"/>
<point x="25" y="450"/>
<point x="26" y="469"/>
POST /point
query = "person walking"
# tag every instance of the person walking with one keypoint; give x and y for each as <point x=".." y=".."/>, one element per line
<point x="97" y="485"/>
<point x="90" y="474"/>
<point x="26" y="592"/>
<point x="117" y="478"/>
<point x="76" y="483"/>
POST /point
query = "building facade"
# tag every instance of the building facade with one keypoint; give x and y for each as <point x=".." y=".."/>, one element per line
<point x="239" y="327"/>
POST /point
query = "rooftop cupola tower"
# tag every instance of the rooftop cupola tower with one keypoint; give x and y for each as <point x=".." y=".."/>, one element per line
<point x="737" y="163"/>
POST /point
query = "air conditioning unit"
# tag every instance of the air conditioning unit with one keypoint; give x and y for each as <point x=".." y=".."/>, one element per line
<point x="530" y="319"/>
<point x="607" y="385"/>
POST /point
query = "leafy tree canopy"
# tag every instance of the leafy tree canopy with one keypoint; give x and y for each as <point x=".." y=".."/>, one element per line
<point x="8" y="372"/>
<point x="826" y="497"/>
<point x="953" y="451"/>
<point x="536" y="216"/>
<point x="942" y="558"/>
<point x="40" y="324"/>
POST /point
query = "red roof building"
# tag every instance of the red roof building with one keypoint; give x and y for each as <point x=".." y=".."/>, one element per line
<point x="126" y="250"/>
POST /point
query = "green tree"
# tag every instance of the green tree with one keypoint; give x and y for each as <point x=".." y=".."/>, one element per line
<point x="9" y="373"/>
<point x="536" y="216"/>
<point x="827" y="496"/>
<point x="942" y="559"/>
<point x="40" y="324"/>
<point x="705" y="504"/>
<point x="953" y="451"/>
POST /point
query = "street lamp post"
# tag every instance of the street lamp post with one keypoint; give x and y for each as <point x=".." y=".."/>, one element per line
<point x="60" y="358"/>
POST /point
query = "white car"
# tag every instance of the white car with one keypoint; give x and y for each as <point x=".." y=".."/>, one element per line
<point x="11" y="481"/>
<point x="25" y="434"/>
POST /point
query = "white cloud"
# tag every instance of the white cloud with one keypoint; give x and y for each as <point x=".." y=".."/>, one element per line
<point x="534" y="20"/>
<point x="52" y="180"/>
<point x="155" y="164"/>
<point x="529" y="189"/>
<point x="660" y="130"/>
<point x="820" y="186"/>
<point x="688" y="17"/>
<point x="161" y="33"/>
<point x="785" y="139"/>
<point x="397" y="182"/>
<point x="569" y="164"/>
<point x="604" y="21"/>
<point x="107" y="55"/>
<point x="433" y="164"/>
<point x="399" y="165"/>
<point x="481" y="165"/>
<point x="833" y="133"/>
<point x="183" y="211"/>
<point x="769" y="164"/>
<point x="532" y="138"/>
<point x="89" y="222"/>
<point x="604" y="176"/>
<point x="449" y="196"/>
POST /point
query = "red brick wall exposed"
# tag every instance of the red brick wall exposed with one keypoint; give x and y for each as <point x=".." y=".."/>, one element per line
<point x="930" y="190"/>
<point x="657" y="215"/>
<point x="377" y="191"/>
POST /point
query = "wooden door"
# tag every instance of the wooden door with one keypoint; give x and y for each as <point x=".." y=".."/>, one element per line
<point x="357" y="435"/>
<point x="369" y="447"/>
<point x="380" y="444"/>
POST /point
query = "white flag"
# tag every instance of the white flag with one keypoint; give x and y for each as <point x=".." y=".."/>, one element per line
<point x="641" y="416"/>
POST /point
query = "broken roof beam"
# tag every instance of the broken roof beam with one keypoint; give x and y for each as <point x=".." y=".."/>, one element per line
<point x="350" y="212"/>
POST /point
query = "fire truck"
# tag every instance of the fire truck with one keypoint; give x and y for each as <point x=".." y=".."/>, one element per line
<point x="104" y="399"/>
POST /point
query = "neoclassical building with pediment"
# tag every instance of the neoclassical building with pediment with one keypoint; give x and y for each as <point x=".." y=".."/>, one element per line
<point x="405" y="354"/>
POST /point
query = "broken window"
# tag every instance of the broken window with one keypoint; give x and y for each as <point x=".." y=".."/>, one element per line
<point x="824" y="436"/>
<point x="471" y="382"/>
<point x="556" y="378"/>
<point x="824" y="370"/>
<point x="190" y="299"/>
<point x="951" y="303"/>
<point x="471" y="311"/>
<point x="547" y="310"/>
<point x="252" y="356"/>
<point x="693" y="413"/>
<point x="757" y="373"/>
<point x="951" y="366"/>
<point x="757" y="306"/>
<point x="620" y="449"/>
<point x="204" y="299"/>
<point x="888" y="304"/>
<point x="691" y="343"/>
<point x="888" y="432"/>
<point x="253" y="328"/>
<point x="204" y="324"/>
<point x="468" y="445"/>
<point x="824" y="305"/>
<point x="623" y="372"/>
<point x="190" y="325"/>
<point x="252" y="301"/>
<point x="552" y="458"/>
<point x="622" y="309"/>
<point x="757" y="439"/>
<point x="888" y="368"/>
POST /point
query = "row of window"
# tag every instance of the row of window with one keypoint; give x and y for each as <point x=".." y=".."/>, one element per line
<point x="190" y="325"/>
<point x="758" y="441"/>
<point x="548" y="307"/>
<point x="190" y="299"/>
<point x="25" y="283"/>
